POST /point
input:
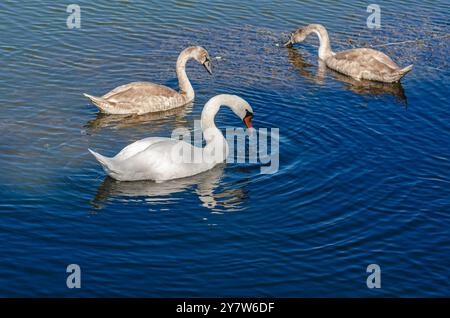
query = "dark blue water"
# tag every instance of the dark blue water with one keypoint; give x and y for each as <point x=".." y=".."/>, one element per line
<point x="364" y="170"/>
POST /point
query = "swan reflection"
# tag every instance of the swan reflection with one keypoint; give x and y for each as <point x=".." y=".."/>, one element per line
<point x="359" y="87"/>
<point x="158" y="120"/>
<point x="207" y="187"/>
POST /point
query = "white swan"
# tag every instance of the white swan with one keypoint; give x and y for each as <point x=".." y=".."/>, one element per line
<point x="160" y="159"/>
<point x="142" y="97"/>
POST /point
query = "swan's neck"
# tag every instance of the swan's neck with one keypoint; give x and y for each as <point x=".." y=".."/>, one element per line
<point x="324" y="48"/>
<point x="183" y="81"/>
<point x="215" y="141"/>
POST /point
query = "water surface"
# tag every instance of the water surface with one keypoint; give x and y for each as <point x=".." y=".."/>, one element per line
<point x="364" y="169"/>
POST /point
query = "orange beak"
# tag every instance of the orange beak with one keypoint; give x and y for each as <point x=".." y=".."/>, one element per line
<point x="247" y="121"/>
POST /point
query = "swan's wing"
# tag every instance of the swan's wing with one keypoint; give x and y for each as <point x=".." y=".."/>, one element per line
<point x="162" y="160"/>
<point x="128" y="91"/>
<point x="137" y="146"/>
<point x="368" y="59"/>
<point x="142" y="97"/>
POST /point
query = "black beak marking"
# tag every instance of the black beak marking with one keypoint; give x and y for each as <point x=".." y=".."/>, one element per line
<point x="248" y="114"/>
<point x="208" y="65"/>
<point x="247" y="119"/>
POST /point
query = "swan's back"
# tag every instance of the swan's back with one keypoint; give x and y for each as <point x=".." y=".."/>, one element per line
<point x="129" y="90"/>
<point x="143" y="97"/>
<point x="153" y="159"/>
<point x="367" y="64"/>
<point x="365" y="56"/>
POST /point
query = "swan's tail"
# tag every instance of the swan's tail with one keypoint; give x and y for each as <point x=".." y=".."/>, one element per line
<point x="106" y="162"/>
<point x="397" y="75"/>
<point x="100" y="102"/>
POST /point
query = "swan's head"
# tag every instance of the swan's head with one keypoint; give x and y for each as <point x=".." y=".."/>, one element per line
<point x="201" y="55"/>
<point x="297" y="36"/>
<point x="238" y="105"/>
<point x="301" y="33"/>
<point x="241" y="108"/>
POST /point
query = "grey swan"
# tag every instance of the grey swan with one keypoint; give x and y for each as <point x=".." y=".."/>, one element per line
<point x="361" y="63"/>
<point x="143" y="97"/>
